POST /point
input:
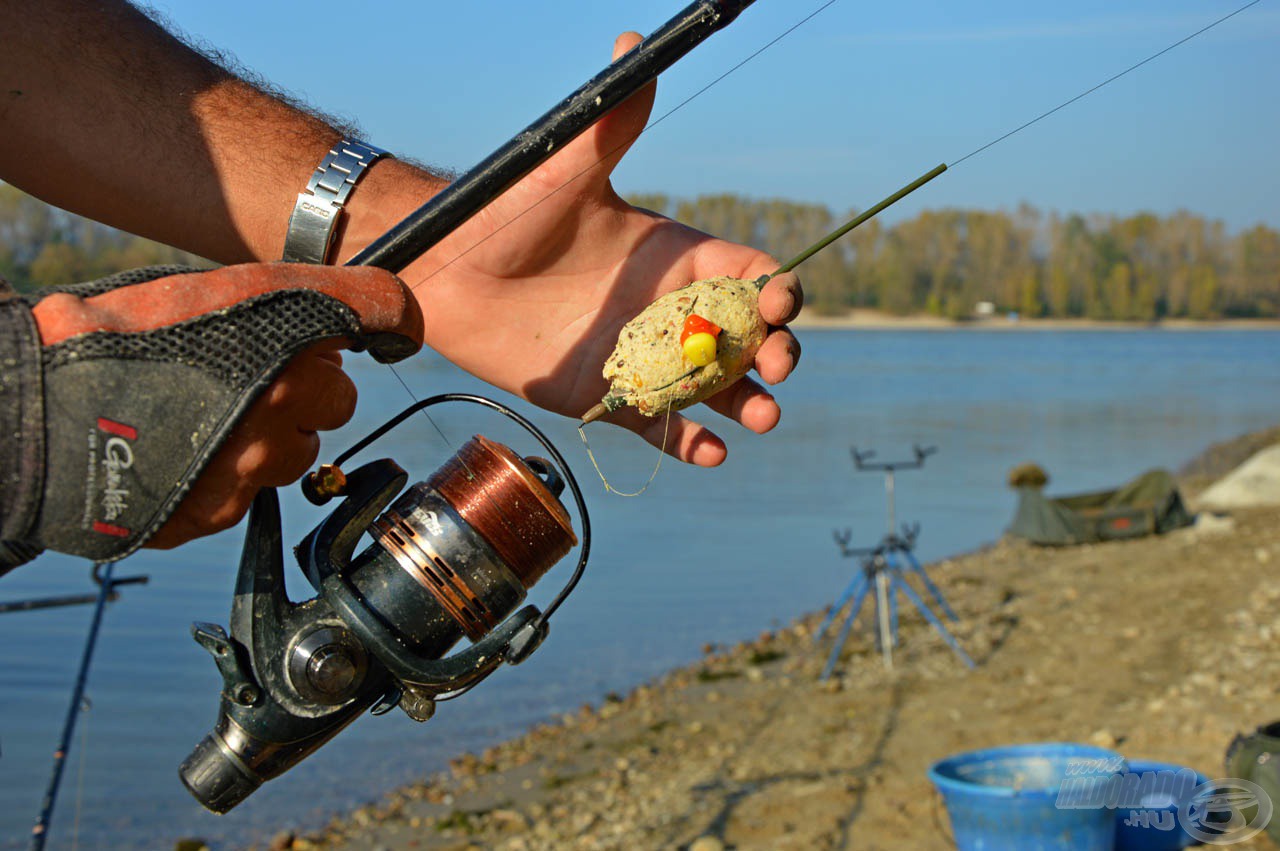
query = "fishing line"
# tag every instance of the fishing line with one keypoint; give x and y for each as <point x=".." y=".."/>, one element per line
<point x="553" y="192"/>
<point x="704" y="89"/>
<point x="495" y="504"/>
<point x="1083" y="94"/>
<point x="611" y="152"/>
<point x="666" y="431"/>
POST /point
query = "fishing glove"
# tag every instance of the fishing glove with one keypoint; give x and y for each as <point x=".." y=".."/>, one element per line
<point x="115" y="394"/>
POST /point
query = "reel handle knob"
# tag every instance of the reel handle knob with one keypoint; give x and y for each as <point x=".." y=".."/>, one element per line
<point x="323" y="484"/>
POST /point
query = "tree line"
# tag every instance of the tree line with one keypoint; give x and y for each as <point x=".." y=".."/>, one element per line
<point x="943" y="262"/>
<point x="41" y="245"/>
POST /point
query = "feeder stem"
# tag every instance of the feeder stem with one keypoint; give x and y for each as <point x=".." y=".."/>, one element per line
<point x="862" y="217"/>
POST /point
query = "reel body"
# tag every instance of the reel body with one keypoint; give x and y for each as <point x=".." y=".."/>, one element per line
<point x="453" y="556"/>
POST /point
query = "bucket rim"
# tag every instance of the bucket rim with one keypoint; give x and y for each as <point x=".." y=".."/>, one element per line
<point x="1139" y="766"/>
<point x="946" y="784"/>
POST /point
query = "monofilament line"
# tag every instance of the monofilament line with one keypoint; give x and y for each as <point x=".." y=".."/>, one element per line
<point x="1105" y="82"/>
<point x="652" y="124"/>
<point x="535" y="204"/>
<point x="662" y="450"/>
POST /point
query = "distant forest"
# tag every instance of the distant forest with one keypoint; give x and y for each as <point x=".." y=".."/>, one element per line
<point x="942" y="262"/>
<point x="44" y="246"/>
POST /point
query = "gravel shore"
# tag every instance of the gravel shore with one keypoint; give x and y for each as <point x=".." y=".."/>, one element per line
<point x="1162" y="648"/>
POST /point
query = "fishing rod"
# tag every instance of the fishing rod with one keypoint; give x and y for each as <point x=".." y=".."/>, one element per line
<point x="102" y="576"/>
<point x="453" y="555"/>
<point x="59" y="601"/>
<point x="464" y="197"/>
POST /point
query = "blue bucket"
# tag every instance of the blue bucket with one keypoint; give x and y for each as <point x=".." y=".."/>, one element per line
<point x="1152" y="815"/>
<point x="1006" y="799"/>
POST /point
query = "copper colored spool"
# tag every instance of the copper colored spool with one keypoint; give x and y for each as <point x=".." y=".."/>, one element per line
<point x="511" y="508"/>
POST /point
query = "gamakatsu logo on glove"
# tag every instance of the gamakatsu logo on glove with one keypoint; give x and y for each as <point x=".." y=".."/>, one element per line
<point x="117" y="456"/>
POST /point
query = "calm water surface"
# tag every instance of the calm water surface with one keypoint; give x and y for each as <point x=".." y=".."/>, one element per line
<point x="704" y="556"/>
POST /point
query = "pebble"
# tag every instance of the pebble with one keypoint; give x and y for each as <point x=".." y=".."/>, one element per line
<point x="706" y="843"/>
<point x="282" y="841"/>
<point x="508" y="820"/>
<point x="1103" y="739"/>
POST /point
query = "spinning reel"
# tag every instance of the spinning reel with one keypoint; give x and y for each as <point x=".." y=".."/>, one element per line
<point x="452" y="556"/>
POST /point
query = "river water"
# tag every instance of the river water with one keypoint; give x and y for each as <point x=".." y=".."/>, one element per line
<point x="704" y="556"/>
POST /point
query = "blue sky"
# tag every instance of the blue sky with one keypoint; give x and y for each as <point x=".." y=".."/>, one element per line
<point x="855" y="103"/>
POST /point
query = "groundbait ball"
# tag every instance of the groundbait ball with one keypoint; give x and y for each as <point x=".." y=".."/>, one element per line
<point x="688" y="345"/>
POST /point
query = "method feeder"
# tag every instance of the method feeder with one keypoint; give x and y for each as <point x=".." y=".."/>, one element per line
<point x="648" y="369"/>
<point x="452" y="556"/>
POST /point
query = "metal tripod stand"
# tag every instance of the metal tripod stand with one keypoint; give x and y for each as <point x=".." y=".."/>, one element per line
<point x="883" y="569"/>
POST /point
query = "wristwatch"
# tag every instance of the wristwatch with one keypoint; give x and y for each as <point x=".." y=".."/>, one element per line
<point x="315" y="214"/>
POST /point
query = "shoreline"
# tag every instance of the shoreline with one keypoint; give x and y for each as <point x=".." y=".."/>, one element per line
<point x="746" y="749"/>
<point x="876" y="320"/>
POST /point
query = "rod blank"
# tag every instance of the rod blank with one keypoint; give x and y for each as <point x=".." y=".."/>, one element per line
<point x="529" y="148"/>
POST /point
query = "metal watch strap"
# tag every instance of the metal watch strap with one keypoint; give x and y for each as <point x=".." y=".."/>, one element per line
<point x="315" y="215"/>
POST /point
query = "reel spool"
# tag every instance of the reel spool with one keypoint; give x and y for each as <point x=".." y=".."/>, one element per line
<point x="452" y="556"/>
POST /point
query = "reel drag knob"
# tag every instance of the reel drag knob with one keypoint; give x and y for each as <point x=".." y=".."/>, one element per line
<point x="328" y="666"/>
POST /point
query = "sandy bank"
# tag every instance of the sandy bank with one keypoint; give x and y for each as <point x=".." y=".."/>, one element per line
<point x="1163" y="648"/>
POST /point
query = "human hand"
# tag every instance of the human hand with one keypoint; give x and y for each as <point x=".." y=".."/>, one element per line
<point x="215" y="384"/>
<point x="529" y="295"/>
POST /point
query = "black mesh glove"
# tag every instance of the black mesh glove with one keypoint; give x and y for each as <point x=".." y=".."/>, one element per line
<point x="117" y="393"/>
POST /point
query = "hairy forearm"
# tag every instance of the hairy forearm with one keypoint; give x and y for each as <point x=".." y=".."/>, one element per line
<point x="106" y="114"/>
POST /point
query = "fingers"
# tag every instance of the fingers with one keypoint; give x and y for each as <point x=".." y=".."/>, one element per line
<point x="781" y="299"/>
<point x="313" y="392"/>
<point x="778" y="356"/>
<point x="380" y="300"/>
<point x="624" y="42"/>
<point x="616" y="131"/>
<point x="679" y="437"/>
<point x="748" y="404"/>
<point x="599" y="149"/>
<point x="274" y="444"/>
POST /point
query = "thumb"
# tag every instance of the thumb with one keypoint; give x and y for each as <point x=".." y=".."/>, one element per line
<point x="599" y="149"/>
<point x="620" y="127"/>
